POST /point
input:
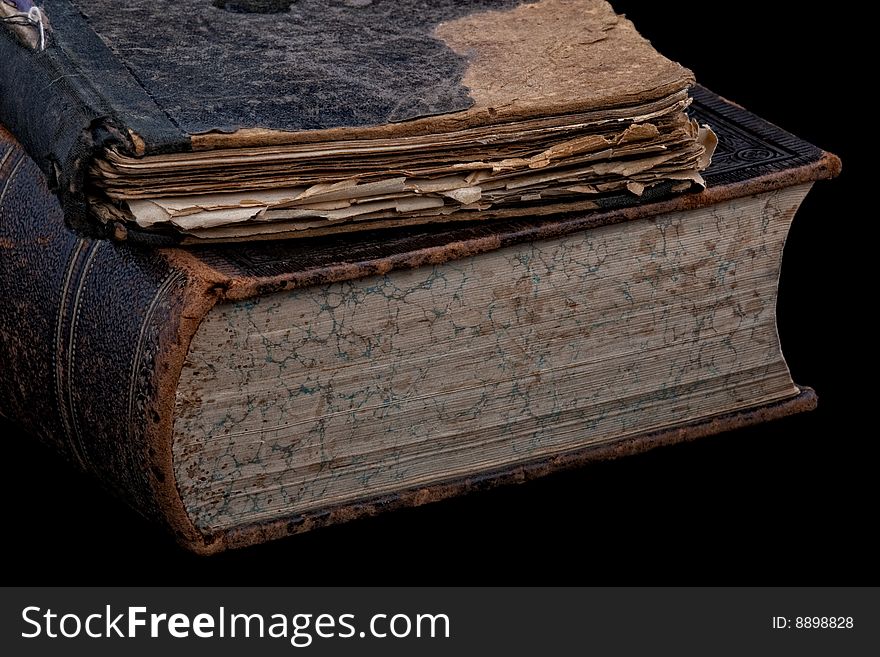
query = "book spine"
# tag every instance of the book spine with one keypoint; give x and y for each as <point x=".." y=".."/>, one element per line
<point x="92" y="339"/>
<point x="68" y="98"/>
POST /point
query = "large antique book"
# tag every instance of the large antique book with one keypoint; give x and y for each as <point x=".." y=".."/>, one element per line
<point x="255" y="119"/>
<point x="241" y="393"/>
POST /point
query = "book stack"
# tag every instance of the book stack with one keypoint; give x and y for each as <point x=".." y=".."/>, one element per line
<point x="378" y="257"/>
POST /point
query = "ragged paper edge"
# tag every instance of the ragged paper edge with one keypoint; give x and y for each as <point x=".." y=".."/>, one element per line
<point x="349" y="200"/>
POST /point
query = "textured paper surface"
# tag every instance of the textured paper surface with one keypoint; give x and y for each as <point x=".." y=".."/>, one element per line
<point x="314" y="397"/>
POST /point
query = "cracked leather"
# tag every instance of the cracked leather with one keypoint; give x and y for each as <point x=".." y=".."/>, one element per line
<point x="100" y="80"/>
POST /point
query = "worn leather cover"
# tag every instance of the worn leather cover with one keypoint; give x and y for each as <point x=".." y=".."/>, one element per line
<point x="93" y="334"/>
<point x="152" y="77"/>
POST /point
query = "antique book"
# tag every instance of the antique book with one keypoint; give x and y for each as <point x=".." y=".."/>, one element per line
<point x="241" y="393"/>
<point x="255" y="119"/>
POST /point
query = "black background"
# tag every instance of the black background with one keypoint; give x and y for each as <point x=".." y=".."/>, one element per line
<point x="789" y="502"/>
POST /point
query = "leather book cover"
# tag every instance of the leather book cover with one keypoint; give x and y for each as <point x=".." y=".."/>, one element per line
<point x="93" y="333"/>
<point x="78" y="77"/>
